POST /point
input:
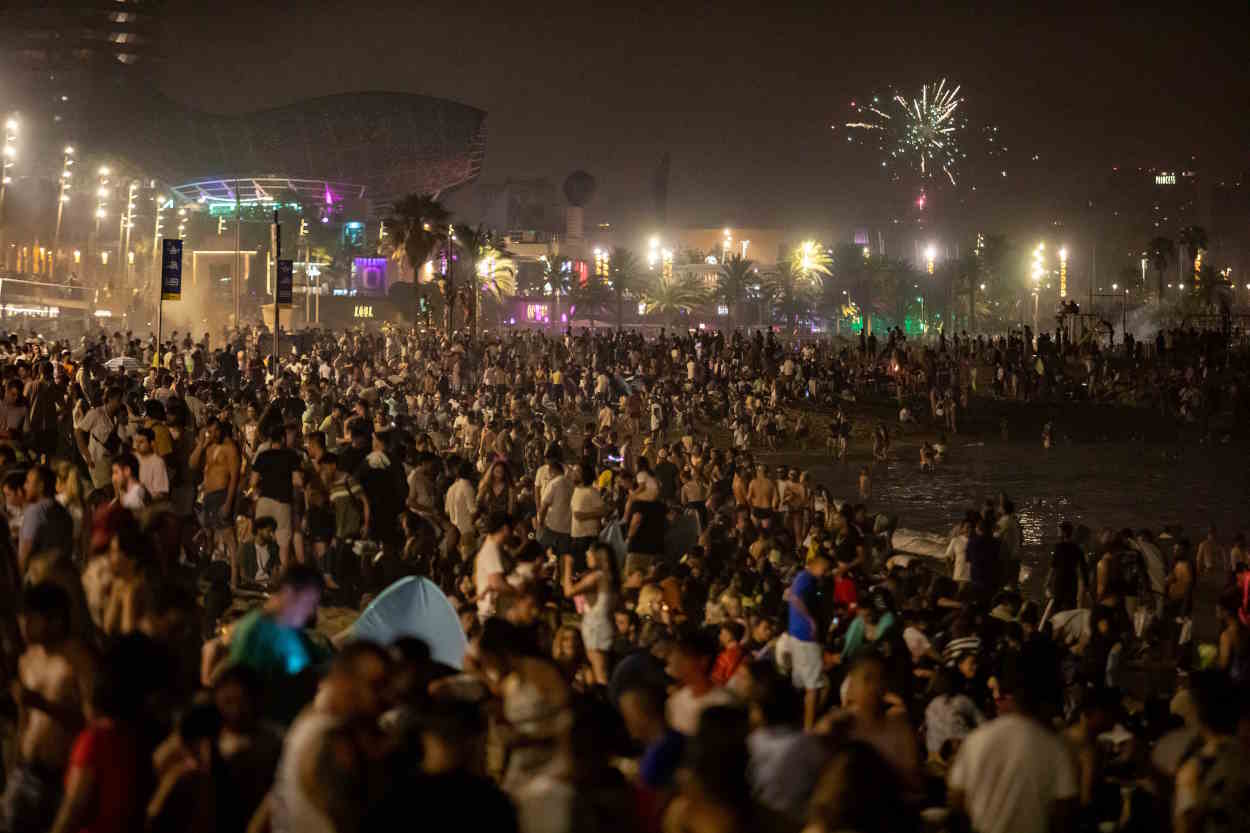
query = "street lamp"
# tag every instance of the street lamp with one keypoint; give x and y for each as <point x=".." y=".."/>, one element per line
<point x="1063" y="272"/>
<point x="930" y="256"/>
<point x="66" y="175"/>
<point x="125" y="224"/>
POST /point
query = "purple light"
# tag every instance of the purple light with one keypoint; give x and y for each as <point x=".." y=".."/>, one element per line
<point x="564" y="319"/>
<point x="511" y="320"/>
<point x="329" y="196"/>
<point x="572" y="310"/>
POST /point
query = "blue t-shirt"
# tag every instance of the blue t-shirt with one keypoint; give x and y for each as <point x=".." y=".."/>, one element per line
<point x="800" y="626"/>
<point x="659" y="762"/>
<point x="273" y="650"/>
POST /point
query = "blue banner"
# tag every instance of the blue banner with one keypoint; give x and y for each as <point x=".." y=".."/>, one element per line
<point x="171" y="270"/>
<point x="286" y="286"/>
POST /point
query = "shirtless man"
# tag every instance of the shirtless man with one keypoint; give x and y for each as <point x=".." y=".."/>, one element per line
<point x="216" y="451"/>
<point x="54" y="680"/>
<point x="762" y="495"/>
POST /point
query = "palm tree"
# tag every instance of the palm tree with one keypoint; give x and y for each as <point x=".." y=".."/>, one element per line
<point x="590" y="297"/>
<point x="673" y="296"/>
<point x="789" y="290"/>
<point x="625" y="277"/>
<point x="489" y="263"/>
<point x="1160" y="252"/>
<point x="735" y="276"/>
<point x="556" y="273"/>
<point x="415" y="229"/>
<point x="1194" y="239"/>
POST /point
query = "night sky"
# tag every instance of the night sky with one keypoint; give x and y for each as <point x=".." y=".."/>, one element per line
<point x="744" y="96"/>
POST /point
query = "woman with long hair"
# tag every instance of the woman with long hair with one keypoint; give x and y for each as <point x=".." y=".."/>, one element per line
<point x="599" y="593"/>
<point x="69" y="493"/>
<point x="569" y="654"/>
<point x="495" y="491"/>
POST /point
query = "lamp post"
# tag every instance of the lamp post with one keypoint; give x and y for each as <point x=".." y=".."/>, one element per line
<point x="930" y="257"/>
<point x="62" y="198"/>
<point x="9" y="160"/>
<point x="157" y="228"/>
<point x="101" y="207"/>
<point x="127" y="223"/>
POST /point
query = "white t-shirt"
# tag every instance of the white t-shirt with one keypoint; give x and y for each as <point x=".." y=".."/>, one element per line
<point x="1011" y="771"/>
<point x="557" y="497"/>
<point x="488" y="562"/>
<point x="135" y="497"/>
<point x="460" y="503"/>
<point x="153" y="474"/>
<point x="585" y="499"/>
<point x="683" y="708"/>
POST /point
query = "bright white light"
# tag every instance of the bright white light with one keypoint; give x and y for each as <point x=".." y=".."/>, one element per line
<point x="982" y="287"/>
<point x="104" y="170"/>
<point x="1115" y="286"/>
<point x="930" y="253"/>
<point x="1182" y="286"/>
<point x="1063" y="253"/>
<point x="69" y="150"/>
<point x="11" y="124"/>
<point x="100" y="213"/>
<point x="102" y="191"/>
<point x="654" y="242"/>
<point x="10" y="151"/>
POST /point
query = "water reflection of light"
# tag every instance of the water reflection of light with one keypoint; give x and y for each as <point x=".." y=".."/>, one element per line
<point x="1031" y="527"/>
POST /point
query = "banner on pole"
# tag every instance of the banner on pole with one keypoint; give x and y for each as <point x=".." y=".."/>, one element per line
<point x="171" y="270"/>
<point x="285" y="284"/>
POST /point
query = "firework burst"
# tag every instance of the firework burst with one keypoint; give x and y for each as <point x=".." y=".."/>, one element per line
<point x="919" y="133"/>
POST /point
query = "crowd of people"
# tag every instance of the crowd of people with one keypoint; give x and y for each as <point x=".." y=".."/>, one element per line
<point x="663" y="631"/>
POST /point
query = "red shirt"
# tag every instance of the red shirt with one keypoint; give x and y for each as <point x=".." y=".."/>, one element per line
<point x="727" y="663"/>
<point x="111" y="754"/>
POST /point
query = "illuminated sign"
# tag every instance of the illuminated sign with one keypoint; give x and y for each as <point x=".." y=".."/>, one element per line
<point x="1165" y="179"/>
<point x="537" y="313"/>
<point x="362" y="311"/>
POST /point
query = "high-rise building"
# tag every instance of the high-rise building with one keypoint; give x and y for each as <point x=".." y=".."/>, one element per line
<point x="57" y="55"/>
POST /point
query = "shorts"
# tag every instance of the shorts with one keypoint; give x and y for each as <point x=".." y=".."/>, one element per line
<point x="761" y="514"/>
<point x="281" y="513"/>
<point x="805" y="661"/>
<point x="558" y="542"/>
<point x="213" y="514"/>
